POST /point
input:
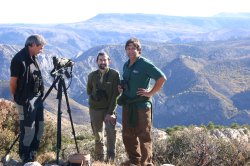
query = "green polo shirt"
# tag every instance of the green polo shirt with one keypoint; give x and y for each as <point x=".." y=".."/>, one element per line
<point x="138" y="76"/>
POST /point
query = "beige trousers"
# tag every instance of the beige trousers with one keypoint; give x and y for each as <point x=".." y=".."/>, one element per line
<point x="97" y="121"/>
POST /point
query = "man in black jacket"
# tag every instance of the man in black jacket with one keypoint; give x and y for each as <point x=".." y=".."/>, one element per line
<point x="26" y="86"/>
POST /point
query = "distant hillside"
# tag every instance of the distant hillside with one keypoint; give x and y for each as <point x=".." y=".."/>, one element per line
<point x="193" y="99"/>
<point x="206" y="63"/>
<point x="207" y="81"/>
<point x="69" y="40"/>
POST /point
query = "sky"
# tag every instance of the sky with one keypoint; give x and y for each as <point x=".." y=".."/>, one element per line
<point x="69" y="11"/>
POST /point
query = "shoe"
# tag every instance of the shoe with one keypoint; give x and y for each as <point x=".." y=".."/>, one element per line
<point x="33" y="155"/>
<point x="110" y="159"/>
<point x="27" y="158"/>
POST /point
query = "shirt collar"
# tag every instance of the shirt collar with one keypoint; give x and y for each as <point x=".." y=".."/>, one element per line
<point x="138" y="58"/>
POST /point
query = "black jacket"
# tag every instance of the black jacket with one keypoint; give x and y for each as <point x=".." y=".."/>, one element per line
<point x="27" y="70"/>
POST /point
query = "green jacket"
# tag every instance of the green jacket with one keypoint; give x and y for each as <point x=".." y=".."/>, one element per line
<point x="131" y="103"/>
<point x="103" y="95"/>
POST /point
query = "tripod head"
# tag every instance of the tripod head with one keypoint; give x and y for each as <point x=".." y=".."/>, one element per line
<point x="61" y="66"/>
<point x="59" y="72"/>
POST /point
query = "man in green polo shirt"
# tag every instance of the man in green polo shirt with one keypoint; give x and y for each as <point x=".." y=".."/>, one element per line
<point x="103" y="92"/>
<point x="136" y="102"/>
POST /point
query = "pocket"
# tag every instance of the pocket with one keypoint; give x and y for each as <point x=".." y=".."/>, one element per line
<point x="108" y="85"/>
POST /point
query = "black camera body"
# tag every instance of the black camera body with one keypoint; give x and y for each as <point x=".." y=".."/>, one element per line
<point x="38" y="84"/>
<point x="60" y="67"/>
<point x="62" y="63"/>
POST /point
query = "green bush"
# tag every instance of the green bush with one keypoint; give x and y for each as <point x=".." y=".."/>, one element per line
<point x="235" y="126"/>
<point x="171" y="130"/>
<point x="48" y="141"/>
<point x="195" y="146"/>
<point x="8" y="126"/>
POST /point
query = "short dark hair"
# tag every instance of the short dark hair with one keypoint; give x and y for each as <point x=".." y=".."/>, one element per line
<point x="102" y="53"/>
<point x="135" y="42"/>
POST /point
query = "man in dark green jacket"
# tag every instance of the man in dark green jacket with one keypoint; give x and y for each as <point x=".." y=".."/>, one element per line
<point x="103" y="92"/>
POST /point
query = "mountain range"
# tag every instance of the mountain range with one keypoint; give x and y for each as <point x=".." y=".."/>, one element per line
<point x="206" y="61"/>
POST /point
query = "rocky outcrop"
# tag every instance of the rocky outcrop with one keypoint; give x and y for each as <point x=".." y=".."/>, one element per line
<point x="228" y="134"/>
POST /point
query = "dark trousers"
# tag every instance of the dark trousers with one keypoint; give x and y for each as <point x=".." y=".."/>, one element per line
<point x="31" y="127"/>
<point x="138" y="140"/>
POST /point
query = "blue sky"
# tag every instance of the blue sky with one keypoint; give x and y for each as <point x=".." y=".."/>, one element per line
<point x="66" y="11"/>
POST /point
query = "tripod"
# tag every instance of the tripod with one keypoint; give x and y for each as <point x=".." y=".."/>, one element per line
<point x="61" y="88"/>
<point x="6" y="156"/>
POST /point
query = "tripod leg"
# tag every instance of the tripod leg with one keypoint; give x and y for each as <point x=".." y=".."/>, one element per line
<point x="8" y="150"/>
<point x="69" y="112"/>
<point x="59" y="113"/>
<point x="51" y="87"/>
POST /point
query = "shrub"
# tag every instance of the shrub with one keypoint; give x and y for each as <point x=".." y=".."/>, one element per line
<point x="194" y="146"/>
<point x="210" y="126"/>
<point x="8" y="125"/>
<point x="235" y="126"/>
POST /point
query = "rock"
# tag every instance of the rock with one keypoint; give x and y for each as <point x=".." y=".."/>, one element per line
<point x="159" y="134"/>
<point x="32" y="164"/>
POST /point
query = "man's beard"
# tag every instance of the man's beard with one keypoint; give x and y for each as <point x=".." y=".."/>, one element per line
<point x="102" y="66"/>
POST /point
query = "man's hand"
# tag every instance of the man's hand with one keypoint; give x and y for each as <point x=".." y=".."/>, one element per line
<point x="120" y="90"/>
<point x="158" y="84"/>
<point x="110" y="119"/>
<point x="143" y="92"/>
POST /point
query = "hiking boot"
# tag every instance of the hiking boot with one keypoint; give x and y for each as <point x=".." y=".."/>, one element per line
<point x="33" y="155"/>
<point x="110" y="158"/>
<point x="26" y="159"/>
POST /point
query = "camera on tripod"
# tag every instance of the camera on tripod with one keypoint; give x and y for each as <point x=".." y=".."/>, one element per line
<point x="38" y="87"/>
<point x="60" y="66"/>
<point x="62" y="62"/>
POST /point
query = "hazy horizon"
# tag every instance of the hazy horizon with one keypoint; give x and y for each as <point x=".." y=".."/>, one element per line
<point x="64" y="11"/>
